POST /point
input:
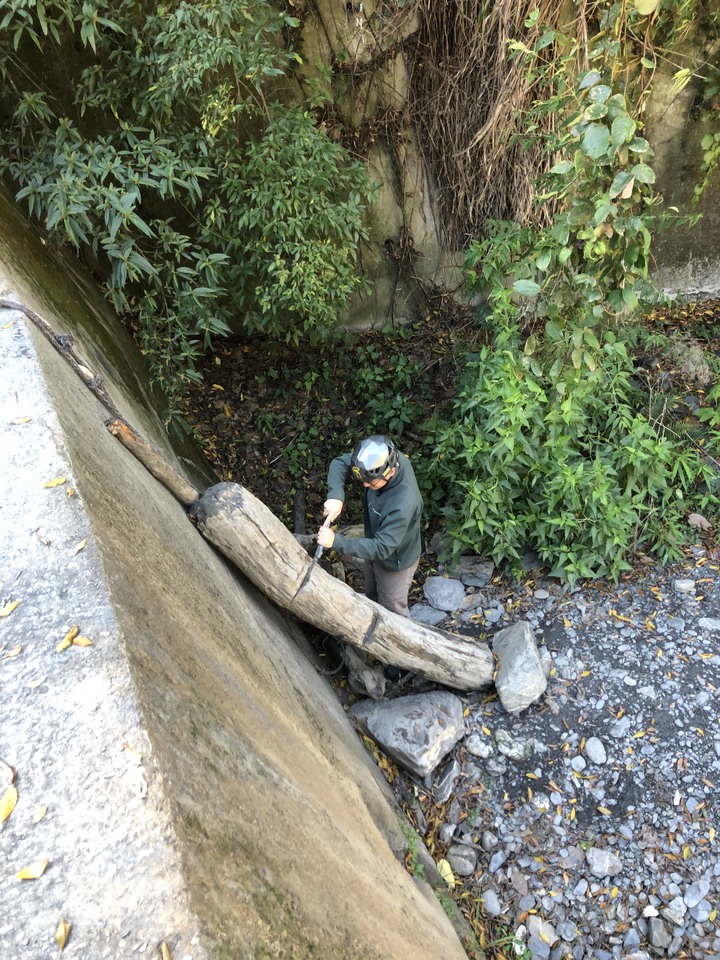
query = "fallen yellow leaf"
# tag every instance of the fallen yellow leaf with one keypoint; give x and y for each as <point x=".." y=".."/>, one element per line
<point x="711" y="834"/>
<point x="16" y="650"/>
<point x="61" y="934"/>
<point x="605" y="811"/>
<point x="165" y="951"/>
<point x="70" y="492"/>
<point x="7" y="803"/>
<point x="40" y="814"/>
<point x="67" y="639"/>
<point x="20" y="420"/>
<point x="687" y="852"/>
<point x="9" y="607"/>
<point x="83" y="642"/>
<point x="446" y="872"/>
<point x="57" y="482"/>
<point x="34" y="871"/>
<point x="80" y="546"/>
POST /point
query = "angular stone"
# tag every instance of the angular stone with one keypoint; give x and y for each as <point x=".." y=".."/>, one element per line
<point x="462" y="859"/>
<point x="416" y="731"/>
<point x="520" y="679"/>
<point x="701" y="911"/>
<point x="489" y="841"/>
<point x="478" y="747"/>
<point x="695" y="892"/>
<point x="602" y="863"/>
<point x="537" y="927"/>
<point x="658" y="933"/>
<point x="444" y="593"/>
<point x="491" y="903"/>
<point x="425" y="613"/>
<point x="510" y="748"/>
<point x="497" y="860"/>
<point x="684" y="586"/>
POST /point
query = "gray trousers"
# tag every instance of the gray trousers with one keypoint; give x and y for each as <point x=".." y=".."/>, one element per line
<point x="389" y="588"/>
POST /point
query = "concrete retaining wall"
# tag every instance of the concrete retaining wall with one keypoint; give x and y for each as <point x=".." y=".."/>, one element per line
<point x="203" y="787"/>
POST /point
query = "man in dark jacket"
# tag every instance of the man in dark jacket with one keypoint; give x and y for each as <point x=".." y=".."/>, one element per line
<point x="392" y="503"/>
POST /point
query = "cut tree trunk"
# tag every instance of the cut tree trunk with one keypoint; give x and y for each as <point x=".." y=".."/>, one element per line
<point x="250" y="535"/>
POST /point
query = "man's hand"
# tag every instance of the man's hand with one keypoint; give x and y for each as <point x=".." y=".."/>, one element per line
<point x="332" y="509"/>
<point x="326" y="536"/>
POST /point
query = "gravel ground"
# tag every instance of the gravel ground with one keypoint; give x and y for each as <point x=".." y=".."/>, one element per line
<point x="587" y="823"/>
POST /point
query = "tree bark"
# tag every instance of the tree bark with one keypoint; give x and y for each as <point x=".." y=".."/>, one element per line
<point x="159" y="467"/>
<point x="250" y="535"/>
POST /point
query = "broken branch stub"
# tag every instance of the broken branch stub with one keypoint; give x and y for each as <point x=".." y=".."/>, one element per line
<point x="253" y="538"/>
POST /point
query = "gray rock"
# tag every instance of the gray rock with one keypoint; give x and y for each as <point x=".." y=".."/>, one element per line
<point x="474" y="571"/>
<point x="497" y="860"/>
<point x="602" y="863"/>
<point x="620" y="728"/>
<point x="491" y="903"/>
<point x="443" y="786"/>
<point x="462" y="859"/>
<point x="537" y="927"/>
<point x="363" y="677"/>
<point x="478" y="747"/>
<point x="520" y="679"/>
<point x="701" y="911"/>
<point x="595" y="751"/>
<point x="675" y="911"/>
<point x="510" y="748"/>
<point x="446" y="832"/>
<point x="709" y="623"/>
<point x="658" y="933"/>
<point x="489" y="841"/>
<point x="684" y="586"/>
<point x="444" y="593"/>
<point x="496" y="766"/>
<point x="424" y="613"/>
<point x="416" y="731"/>
<point x="696" y="892"/>
<point x="567" y="931"/>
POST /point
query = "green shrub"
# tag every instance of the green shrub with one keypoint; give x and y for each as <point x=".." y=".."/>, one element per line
<point x="200" y="203"/>
<point x="548" y="445"/>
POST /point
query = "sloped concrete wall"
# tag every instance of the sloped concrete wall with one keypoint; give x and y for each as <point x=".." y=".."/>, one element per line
<point x="203" y="787"/>
<point x="687" y="259"/>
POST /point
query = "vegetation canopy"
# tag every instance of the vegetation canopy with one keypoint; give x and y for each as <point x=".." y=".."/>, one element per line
<point x="147" y="139"/>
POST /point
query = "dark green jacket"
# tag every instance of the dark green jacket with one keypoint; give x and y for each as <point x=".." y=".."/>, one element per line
<point x="392" y="517"/>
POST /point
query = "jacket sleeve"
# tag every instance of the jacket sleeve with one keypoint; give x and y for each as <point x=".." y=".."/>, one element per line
<point x="337" y="475"/>
<point x="388" y="538"/>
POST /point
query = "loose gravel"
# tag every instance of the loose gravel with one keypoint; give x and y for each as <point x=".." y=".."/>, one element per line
<point x="587" y="824"/>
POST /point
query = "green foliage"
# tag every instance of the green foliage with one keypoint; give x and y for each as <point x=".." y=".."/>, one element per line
<point x="200" y="203"/>
<point x="377" y="387"/>
<point x="547" y="445"/>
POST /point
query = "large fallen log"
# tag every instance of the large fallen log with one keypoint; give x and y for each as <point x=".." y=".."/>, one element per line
<point x="253" y="538"/>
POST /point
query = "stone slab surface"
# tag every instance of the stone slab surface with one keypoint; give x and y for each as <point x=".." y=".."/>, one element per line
<point x="70" y="721"/>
